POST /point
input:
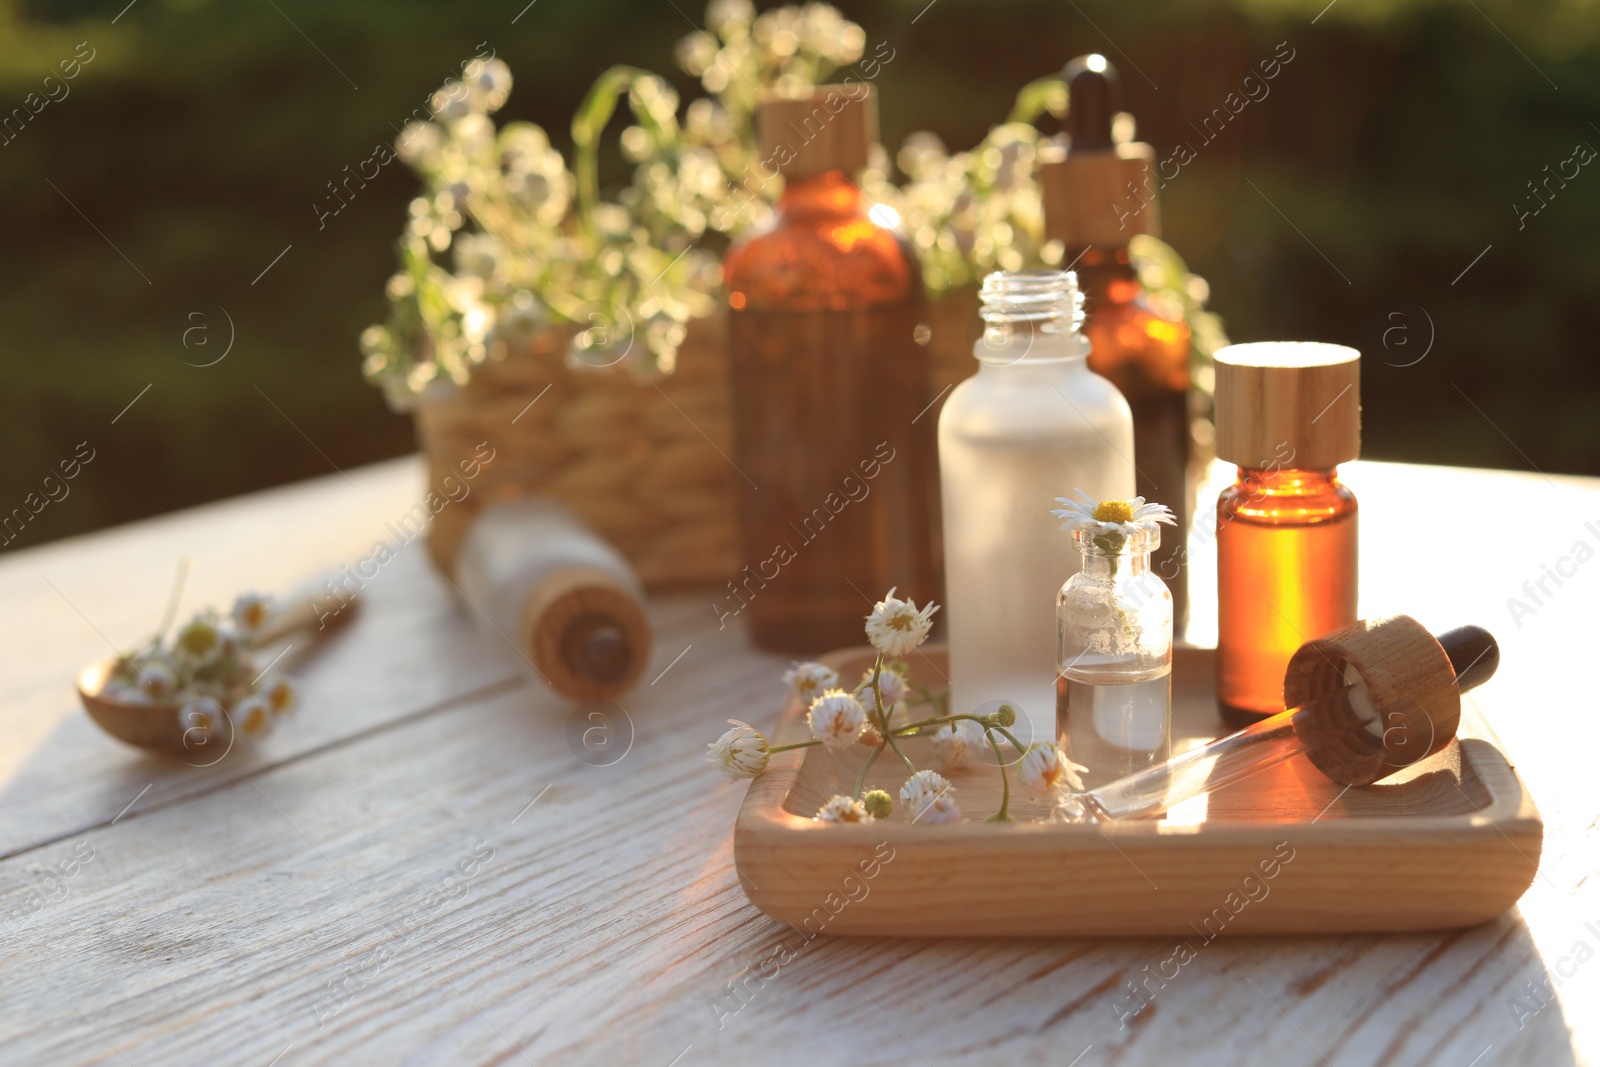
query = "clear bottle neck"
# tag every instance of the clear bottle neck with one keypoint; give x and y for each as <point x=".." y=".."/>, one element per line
<point x="1031" y="316"/>
<point x="1109" y="557"/>
<point x="1100" y="565"/>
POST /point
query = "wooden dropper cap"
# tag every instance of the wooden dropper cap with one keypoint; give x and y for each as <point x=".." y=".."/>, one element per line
<point x="1098" y="192"/>
<point x="830" y="127"/>
<point x="1410" y="703"/>
<point x="1288" y="404"/>
<point x="535" y="575"/>
<point x="586" y="632"/>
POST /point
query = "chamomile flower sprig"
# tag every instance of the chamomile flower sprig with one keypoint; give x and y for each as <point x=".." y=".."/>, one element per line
<point x="206" y="671"/>
<point x="841" y="719"/>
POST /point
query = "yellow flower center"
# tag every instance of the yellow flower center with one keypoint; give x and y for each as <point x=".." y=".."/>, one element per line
<point x="198" y="639"/>
<point x="1113" y="511"/>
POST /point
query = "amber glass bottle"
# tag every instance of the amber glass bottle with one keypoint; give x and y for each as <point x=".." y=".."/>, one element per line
<point x="1096" y="199"/>
<point x="831" y="390"/>
<point x="1286" y="560"/>
<point x="1286" y="529"/>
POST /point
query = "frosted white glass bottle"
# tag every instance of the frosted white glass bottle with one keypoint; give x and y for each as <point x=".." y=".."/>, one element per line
<point x="1033" y="424"/>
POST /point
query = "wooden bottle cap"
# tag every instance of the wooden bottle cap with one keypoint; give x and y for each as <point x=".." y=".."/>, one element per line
<point x="1288" y="404"/>
<point x="1100" y="198"/>
<point x="586" y="632"/>
<point x="830" y="127"/>
<point x="1412" y="687"/>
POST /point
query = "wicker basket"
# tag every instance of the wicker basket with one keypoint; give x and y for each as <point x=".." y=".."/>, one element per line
<point x="647" y="465"/>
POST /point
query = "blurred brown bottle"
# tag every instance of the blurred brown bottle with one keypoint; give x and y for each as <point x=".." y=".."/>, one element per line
<point x="831" y="388"/>
<point x="1097" y="197"/>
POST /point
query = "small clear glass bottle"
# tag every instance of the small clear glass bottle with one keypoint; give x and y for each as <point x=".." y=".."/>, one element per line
<point x="1097" y="196"/>
<point x="1114" y="664"/>
<point x="1033" y="424"/>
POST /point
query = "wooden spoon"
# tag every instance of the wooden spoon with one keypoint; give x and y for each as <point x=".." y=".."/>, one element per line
<point x="154" y="725"/>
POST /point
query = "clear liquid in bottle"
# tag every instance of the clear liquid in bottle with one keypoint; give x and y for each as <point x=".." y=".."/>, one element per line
<point x="1114" y="724"/>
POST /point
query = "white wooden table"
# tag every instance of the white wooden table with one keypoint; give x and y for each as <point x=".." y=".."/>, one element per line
<point x="419" y="868"/>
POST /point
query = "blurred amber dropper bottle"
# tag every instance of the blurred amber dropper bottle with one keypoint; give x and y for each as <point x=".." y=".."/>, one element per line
<point x="1288" y="413"/>
<point x="1097" y="198"/>
<point x="831" y="386"/>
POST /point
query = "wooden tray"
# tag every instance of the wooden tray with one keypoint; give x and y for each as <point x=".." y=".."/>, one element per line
<point x="1450" y="842"/>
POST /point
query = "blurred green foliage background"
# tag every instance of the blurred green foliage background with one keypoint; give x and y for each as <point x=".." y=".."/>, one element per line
<point x="193" y="147"/>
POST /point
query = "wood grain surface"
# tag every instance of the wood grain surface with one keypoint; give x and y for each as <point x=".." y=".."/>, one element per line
<point x="430" y="864"/>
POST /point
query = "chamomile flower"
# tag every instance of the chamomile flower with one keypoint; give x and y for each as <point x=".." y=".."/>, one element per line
<point x="836" y="718"/>
<point x="920" y="791"/>
<point x="741" y="752"/>
<point x="1045" y="769"/>
<point x="808" y="680"/>
<point x="280" y="694"/>
<point x="201" y="641"/>
<point x="250" y="613"/>
<point x="896" y="627"/>
<point x="957" y="744"/>
<point x="891" y="684"/>
<point x="201" y="721"/>
<point x="154" y="678"/>
<point x="1115" y="519"/>
<point x="841" y="809"/>
<point x="878" y="803"/>
<point x="942" y="808"/>
<point x="252" y="716"/>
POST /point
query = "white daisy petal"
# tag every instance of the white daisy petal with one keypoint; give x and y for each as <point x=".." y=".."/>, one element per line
<point x="252" y="716"/>
<point x="841" y="809"/>
<point x="808" y="680"/>
<point x="921" y="790"/>
<point x="201" y="721"/>
<point x="741" y="752"/>
<point x="836" y="719"/>
<point x="939" y="810"/>
<point x="896" y="627"/>
<point x="1045" y="769"/>
<point x="957" y="744"/>
<point x="250" y="613"/>
<point x="891" y="684"/>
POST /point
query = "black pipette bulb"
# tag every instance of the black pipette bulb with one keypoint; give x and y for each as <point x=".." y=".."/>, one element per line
<point x="1091" y="101"/>
<point x="1474" y="655"/>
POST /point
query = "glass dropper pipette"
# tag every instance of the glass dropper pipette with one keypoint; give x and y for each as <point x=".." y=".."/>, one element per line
<point x="1349" y="733"/>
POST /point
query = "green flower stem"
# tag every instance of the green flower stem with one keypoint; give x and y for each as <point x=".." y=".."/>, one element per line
<point x="797" y="744"/>
<point x="1018" y="745"/>
<point x="940" y="720"/>
<point x="1004" y="814"/>
<point x="877" y="697"/>
<point x="884" y="717"/>
<point x="591" y="118"/>
<point x="861" y="779"/>
<point x="171" y="614"/>
<point x="909" y="765"/>
<point x="944" y="719"/>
